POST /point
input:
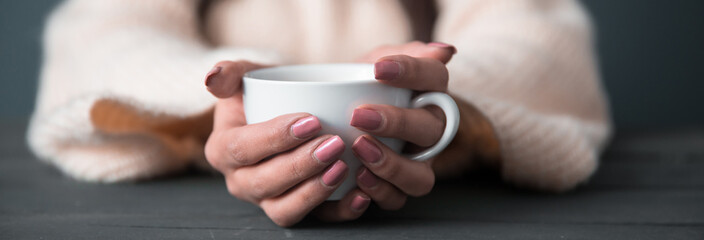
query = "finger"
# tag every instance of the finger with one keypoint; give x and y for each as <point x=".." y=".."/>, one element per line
<point x="403" y="71"/>
<point x="225" y="79"/>
<point x="251" y="143"/>
<point x="350" y="207"/>
<point x="384" y="194"/>
<point x="292" y="206"/>
<point x="410" y="48"/>
<point x="278" y="174"/>
<point x="441" y="51"/>
<point x="412" y="177"/>
<point x="416" y="125"/>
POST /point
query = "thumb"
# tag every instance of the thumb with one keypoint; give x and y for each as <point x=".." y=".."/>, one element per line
<point x="225" y="79"/>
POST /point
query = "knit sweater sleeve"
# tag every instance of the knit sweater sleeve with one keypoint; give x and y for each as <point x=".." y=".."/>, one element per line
<point x="128" y="64"/>
<point x="529" y="67"/>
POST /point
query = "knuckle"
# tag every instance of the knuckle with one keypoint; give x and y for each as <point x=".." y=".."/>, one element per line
<point x="395" y="205"/>
<point x="309" y="198"/>
<point x="317" y="197"/>
<point x="423" y="188"/>
<point x="237" y="152"/>
<point x="257" y="188"/>
<point x="387" y="170"/>
<point x="401" y="203"/>
<point x="281" y="218"/>
<point x="402" y="122"/>
<point x="410" y="68"/>
<point x="396" y="121"/>
<point x="280" y="129"/>
<point x="281" y="138"/>
<point x="233" y="188"/>
<point x="295" y="168"/>
<point x="241" y="66"/>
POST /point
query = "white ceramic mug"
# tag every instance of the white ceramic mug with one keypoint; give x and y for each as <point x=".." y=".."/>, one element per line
<point x="331" y="92"/>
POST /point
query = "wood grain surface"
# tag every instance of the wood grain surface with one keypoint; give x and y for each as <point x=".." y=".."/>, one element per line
<point x="650" y="185"/>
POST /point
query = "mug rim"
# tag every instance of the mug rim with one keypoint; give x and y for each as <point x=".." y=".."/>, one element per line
<point x="249" y="75"/>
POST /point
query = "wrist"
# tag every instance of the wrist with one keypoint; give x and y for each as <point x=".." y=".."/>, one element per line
<point x="476" y="143"/>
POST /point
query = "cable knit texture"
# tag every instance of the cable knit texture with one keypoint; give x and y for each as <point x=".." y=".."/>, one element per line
<point x="121" y="95"/>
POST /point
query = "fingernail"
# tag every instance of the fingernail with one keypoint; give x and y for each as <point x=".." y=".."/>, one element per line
<point x="335" y="173"/>
<point x="210" y="77"/>
<point x="367" y="151"/>
<point x="367" y="179"/>
<point x="366" y="119"/>
<point x="329" y="150"/>
<point x="386" y="70"/>
<point x="359" y="203"/>
<point x="306" y="127"/>
<point x="443" y="45"/>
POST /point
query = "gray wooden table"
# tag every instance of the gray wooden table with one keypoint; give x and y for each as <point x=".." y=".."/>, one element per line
<point x="650" y="186"/>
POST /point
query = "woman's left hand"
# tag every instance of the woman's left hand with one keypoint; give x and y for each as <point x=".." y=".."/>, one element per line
<point x="388" y="177"/>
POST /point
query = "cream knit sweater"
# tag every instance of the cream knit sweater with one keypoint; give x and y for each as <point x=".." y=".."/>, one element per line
<point x="123" y="79"/>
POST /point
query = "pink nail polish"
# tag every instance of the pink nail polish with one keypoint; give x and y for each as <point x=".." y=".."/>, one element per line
<point x="330" y="150"/>
<point x="444" y="45"/>
<point x="366" y="119"/>
<point x="306" y="127"/>
<point x="210" y="77"/>
<point x="386" y="70"/>
<point x="359" y="203"/>
<point x="366" y="150"/>
<point x="367" y="178"/>
<point x="335" y="173"/>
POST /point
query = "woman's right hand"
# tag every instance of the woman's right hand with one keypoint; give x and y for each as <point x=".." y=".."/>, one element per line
<point x="279" y="165"/>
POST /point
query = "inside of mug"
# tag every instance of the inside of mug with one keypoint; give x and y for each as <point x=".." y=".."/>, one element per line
<point x="343" y="72"/>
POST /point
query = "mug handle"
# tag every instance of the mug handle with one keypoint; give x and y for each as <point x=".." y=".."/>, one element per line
<point x="452" y="122"/>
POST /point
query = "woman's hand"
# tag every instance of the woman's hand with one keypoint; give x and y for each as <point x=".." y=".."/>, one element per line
<point x="279" y="165"/>
<point x="388" y="177"/>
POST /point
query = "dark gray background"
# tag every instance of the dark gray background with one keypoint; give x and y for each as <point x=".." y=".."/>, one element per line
<point x="651" y="56"/>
